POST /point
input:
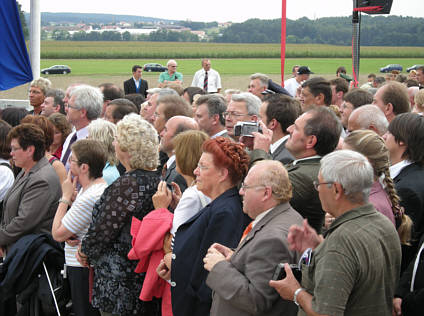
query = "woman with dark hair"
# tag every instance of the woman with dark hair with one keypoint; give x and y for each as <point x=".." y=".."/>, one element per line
<point x="48" y="129"/>
<point x="6" y="174"/>
<point x="13" y="115"/>
<point x="221" y="168"/>
<point x="30" y="204"/>
<point x="62" y="128"/>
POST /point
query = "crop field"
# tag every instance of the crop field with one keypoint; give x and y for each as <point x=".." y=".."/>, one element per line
<point x="236" y="66"/>
<point x="166" y="50"/>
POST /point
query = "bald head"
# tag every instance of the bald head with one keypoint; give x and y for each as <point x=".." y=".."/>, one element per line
<point x="174" y="126"/>
<point x="369" y="117"/>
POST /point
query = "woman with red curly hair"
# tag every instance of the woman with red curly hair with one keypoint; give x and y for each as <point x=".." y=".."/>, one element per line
<point x="221" y="168"/>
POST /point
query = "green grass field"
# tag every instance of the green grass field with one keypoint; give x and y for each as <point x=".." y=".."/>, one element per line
<point x="270" y="66"/>
<point x="166" y="50"/>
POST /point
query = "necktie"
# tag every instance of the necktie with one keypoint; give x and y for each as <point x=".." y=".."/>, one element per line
<point x="205" y="82"/>
<point x="246" y="231"/>
<point x="68" y="150"/>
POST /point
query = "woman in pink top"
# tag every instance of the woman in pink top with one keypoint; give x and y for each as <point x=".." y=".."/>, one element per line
<point x="383" y="193"/>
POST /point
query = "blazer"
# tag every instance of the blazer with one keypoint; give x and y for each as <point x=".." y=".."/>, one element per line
<point x="282" y="154"/>
<point x="172" y="175"/>
<point x="240" y="286"/>
<point x="31" y="203"/>
<point x="409" y="184"/>
<point x="129" y="87"/>
<point x="305" y="198"/>
<point x="221" y="221"/>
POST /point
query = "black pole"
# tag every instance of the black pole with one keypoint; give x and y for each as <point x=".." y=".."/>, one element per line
<point x="355" y="42"/>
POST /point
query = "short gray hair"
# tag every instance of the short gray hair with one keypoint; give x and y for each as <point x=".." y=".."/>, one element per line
<point x="352" y="171"/>
<point x="371" y="114"/>
<point x="253" y="103"/>
<point x="153" y="90"/>
<point x="88" y="98"/>
<point x="263" y="79"/>
<point x="164" y="92"/>
<point x="171" y="61"/>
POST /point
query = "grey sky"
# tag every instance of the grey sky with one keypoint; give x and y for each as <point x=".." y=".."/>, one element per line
<point x="220" y="10"/>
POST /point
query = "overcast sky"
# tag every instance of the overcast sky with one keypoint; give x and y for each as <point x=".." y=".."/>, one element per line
<point x="220" y="10"/>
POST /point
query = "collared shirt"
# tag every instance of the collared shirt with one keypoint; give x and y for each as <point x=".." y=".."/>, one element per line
<point x="260" y="216"/>
<point x="219" y="133"/>
<point x="397" y="168"/>
<point x="81" y="134"/>
<point x="170" y="161"/>
<point x="214" y="80"/>
<point x="137" y="82"/>
<point x="274" y="146"/>
<point x="165" y="76"/>
<point x="306" y="158"/>
<point x="354" y="271"/>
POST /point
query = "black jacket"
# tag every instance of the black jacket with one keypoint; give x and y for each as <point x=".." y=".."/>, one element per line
<point x="129" y="87"/>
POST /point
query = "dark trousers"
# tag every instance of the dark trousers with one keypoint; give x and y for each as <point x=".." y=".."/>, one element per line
<point x="78" y="282"/>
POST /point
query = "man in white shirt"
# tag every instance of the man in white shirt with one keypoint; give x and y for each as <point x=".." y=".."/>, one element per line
<point x="207" y="78"/>
<point x="84" y="105"/>
<point x="292" y="84"/>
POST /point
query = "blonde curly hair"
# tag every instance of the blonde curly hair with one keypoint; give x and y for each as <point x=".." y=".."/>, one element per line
<point x="140" y="139"/>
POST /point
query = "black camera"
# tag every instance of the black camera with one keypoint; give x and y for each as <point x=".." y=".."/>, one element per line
<point x="246" y="128"/>
<point x="280" y="272"/>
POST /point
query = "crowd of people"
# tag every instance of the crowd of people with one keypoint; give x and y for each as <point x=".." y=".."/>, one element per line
<point x="181" y="200"/>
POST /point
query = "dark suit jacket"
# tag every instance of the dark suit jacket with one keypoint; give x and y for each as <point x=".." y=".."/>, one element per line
<point x="173" y="176"/>
<point x="305" y="198"/>
<point x="221" y="221"/>
<point x="129" y="87"/>
<point x="409" y="185"/>
<point x="282" y="154"/>
<point x="31" y="203"/>
<point x="240" y="286"/>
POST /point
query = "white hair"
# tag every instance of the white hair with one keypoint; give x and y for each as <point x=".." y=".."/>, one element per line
<point x="88" y="98"/>
<point x="352" y="171"/>
<point x="253" y="103"/>
<point x="171" y="61"/>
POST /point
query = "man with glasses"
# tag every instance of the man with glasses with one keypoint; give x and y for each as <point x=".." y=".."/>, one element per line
<point x="313" y="135"/>
<point x="355" y="269"/>
<point x="84" y="105"/>
<point x="244" y="107"/>
<point x="239" y="279"/>
<point x="171" y="75"/>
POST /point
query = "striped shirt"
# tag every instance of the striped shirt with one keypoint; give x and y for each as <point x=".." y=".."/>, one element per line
<point x="78" y="218"/>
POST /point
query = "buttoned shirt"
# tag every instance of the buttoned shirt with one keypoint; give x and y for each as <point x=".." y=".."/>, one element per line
<point x="214" y="80"/>
<point x="81" y="134"/>
<point x="355" y="269"/>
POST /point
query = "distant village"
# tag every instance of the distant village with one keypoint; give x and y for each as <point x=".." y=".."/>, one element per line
<point x="51" y="29"/>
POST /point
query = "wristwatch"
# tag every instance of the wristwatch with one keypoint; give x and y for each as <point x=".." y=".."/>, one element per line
<point x="62" y="200"/>
<point x="296" y="293"/>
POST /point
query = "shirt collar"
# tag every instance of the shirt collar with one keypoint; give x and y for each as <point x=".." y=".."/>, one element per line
<point x="170" y="161"/>
<point x="219" y="133"/>
<point x="260" y="216"/>
<point x="82" y="133"/>
<point x="274" y="146"/>
<point x="306" y="158"/>
<point x="397" y="168"/>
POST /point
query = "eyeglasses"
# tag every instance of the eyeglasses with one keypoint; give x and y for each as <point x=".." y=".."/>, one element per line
<point x="317" y="184"/>
<point x="14" y="149"/>
<point x="233" y="114"/>
<point x="246" y="187"/>
<point x="202" y="167"/>
<point x="72" y="107"/>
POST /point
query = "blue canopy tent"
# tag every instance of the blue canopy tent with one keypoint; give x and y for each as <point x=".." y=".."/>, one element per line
<point x="15" y="67"/>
